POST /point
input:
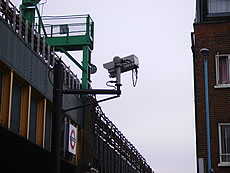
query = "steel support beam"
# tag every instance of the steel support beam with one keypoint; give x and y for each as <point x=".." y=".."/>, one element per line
<point x="85" y="64"/>
<point x="71" y="58"/>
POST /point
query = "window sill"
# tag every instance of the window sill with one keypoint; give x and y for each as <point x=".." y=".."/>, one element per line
<point x="219" y="14"/>
<point x="222" y="86"/>
<point x="224" y="164"/>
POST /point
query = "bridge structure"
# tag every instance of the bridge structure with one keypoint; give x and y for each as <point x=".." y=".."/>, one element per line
<point x="27" y="58"/>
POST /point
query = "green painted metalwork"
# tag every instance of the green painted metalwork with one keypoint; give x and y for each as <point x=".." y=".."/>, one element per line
<point x="29" y="14"/>
<point x="70" y="43"/>
<point x="70" y="57"/>
<point x="28" y="9"/>
<point x="85" y="64"/>
<point x="76" y="33"/>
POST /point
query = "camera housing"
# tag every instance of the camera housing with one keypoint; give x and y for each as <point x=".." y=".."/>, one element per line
<point x="126" y="64"/>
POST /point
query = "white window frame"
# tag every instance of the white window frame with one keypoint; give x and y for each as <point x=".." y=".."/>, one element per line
<point x="218" y="85"/>
<point x="218" y="6"/>
<point x="220" y="146"/>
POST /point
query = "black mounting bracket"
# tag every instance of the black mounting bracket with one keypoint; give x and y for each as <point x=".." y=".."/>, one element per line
<point x="93" y="91"/>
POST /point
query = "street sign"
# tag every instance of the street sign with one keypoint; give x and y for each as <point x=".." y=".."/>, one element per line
<point x="72" y="139"/>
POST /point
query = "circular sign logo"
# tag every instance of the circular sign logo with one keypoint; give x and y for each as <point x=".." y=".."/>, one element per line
<point x="72" y="146"/>
<point x="72" y="139"/>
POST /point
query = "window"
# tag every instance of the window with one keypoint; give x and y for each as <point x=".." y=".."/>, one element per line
<point x="16" y="107"/>
<point x="224" y="143"/>
<point x="222" y="69"/>
<point x="218" y="6"/>
<point x="33" y="119"/>
<point x="48" y="129"/>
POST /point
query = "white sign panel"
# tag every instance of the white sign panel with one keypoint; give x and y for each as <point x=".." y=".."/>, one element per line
<point x="72" y="139"/>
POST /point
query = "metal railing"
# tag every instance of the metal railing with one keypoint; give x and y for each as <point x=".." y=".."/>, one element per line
<point x="71" y="25"/>
<point x="13" y="17"/>
<point x="120" y="155"/>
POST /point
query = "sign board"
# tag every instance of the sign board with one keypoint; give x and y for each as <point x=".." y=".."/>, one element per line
<point x="72" y="139"/>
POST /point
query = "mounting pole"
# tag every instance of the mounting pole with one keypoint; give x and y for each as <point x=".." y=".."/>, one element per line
<point x="117" y="63"/>
<point x="57" y="116"/>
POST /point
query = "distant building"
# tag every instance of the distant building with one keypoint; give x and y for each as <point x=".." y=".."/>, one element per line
<point x="212" y="31"/>
<point x="89" y="141"/>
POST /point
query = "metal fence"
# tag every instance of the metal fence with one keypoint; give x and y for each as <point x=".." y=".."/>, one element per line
<point x="24" y="30"/>
<point x="71" y="25"/>
<point x="115" y="154"/>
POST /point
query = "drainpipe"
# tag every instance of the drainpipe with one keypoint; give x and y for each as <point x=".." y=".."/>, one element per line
<point x="205" y="52"/>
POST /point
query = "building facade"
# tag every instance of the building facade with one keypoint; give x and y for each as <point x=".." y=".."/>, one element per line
<point x="212" y="31"/>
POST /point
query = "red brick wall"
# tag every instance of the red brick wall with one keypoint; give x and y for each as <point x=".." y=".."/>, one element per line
<point x="215" y="37"/>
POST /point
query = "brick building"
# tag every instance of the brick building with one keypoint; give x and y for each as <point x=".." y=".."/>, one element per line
<point x="212" y="31"/>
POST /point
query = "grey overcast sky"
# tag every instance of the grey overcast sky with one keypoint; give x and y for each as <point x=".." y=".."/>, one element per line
<point x="158" y="115"/>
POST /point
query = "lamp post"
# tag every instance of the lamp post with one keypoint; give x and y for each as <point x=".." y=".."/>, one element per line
<point x="205" y="52"/>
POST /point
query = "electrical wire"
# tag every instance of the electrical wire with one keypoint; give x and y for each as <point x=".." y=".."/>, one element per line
<point x="49" y="75"/>
<point x="107" y="84"/>
<point x="134" y="74"/>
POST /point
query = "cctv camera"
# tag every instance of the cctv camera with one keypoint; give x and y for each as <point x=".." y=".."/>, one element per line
<point x="204" y="52"/>
<point x="127" y="63"/>
<point x="116" y="60"/>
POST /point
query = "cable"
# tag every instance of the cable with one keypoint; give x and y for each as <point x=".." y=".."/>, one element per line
<point x="49" y="76"/>
<point x="107" y="84"/>
<point x="134" y="73"/>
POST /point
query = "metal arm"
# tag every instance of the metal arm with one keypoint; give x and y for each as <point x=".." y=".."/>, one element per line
<point x="92" y="91"/>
